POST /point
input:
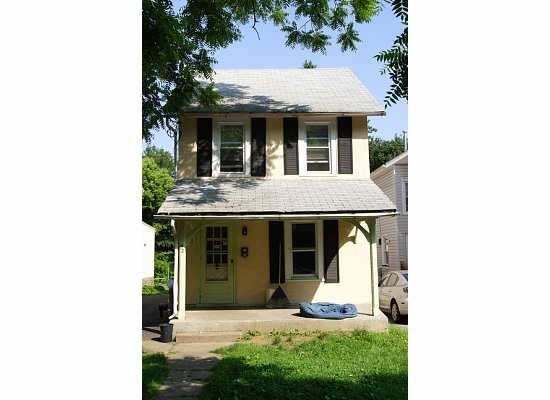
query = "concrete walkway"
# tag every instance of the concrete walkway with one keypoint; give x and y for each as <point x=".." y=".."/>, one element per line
<point x="190" y="366"/>
<point x="190" y="363"/>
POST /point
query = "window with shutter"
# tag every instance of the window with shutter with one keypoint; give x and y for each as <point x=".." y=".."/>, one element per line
<point x="317" y="146"/>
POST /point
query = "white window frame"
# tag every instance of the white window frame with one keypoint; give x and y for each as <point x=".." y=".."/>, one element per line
<point x="216" y="145"/>
<point x="385" y="253"/>
<point x="302" y="145"/>
<point x="404" y="195"/>
<point x="318" y="276"/>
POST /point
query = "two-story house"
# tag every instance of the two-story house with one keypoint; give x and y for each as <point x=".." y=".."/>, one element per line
<point x="273" y="188"/>
<point x="392" y="232"/>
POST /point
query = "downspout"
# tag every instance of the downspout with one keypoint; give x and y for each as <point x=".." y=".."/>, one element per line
<point x="175" y="288"/>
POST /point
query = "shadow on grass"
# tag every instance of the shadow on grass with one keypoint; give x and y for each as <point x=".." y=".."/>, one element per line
<point x="236" y="379"/>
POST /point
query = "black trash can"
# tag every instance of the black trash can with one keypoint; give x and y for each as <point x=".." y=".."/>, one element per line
<point x="166" y="331"/>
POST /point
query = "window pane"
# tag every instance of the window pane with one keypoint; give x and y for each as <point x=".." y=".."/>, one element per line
<point x="303" y="236"/>
<point x="232" y="134"/>
<point x="318" y="166"/>
<point x="317" y="131"/>
<point x="303" y="263"/>
<point x="317" y="155"/>
<point x="231" y="160"/>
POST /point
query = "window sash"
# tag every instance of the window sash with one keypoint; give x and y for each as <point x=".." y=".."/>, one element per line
<point x="317" y="147"/>
<point x="231" y="149"/>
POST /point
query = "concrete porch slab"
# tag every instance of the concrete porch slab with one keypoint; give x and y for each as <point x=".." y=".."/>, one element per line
<point x="209" y="322"/>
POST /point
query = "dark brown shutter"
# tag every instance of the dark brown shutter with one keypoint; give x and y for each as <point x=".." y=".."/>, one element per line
<point x="204" y="147"/>
<point x="290" y="145"/>
<point x="330" y="238"/>
<point x="276" y="249"/>
<point x="258" y="147"/>
<point x="345" y="152"/>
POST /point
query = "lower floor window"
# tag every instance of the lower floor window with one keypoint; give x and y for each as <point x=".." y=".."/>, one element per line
<point x="304" y="249"/>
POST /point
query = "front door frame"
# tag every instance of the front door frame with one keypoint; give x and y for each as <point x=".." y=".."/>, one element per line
<point x="206" y="298"/>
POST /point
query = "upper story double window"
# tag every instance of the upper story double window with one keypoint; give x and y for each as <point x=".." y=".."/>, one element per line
<point x="309" y="146"/>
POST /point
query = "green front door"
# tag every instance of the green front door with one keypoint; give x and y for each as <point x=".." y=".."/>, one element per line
<point x="217" y="266"/>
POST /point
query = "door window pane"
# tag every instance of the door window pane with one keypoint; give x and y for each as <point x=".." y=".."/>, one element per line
<point x="217" y="267"/>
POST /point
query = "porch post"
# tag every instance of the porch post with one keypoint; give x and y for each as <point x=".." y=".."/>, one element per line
<point x="182" y="255"/>
<point x="371" y="223"/>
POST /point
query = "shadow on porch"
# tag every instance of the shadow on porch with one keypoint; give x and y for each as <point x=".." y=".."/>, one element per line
<point x="207" y="324"/>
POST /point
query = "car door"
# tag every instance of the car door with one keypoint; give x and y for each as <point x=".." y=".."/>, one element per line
<point x="390" y="289"/>
<point x="383" y="293"/>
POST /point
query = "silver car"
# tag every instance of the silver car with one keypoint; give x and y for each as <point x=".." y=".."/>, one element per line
<point x="393" y="292"/>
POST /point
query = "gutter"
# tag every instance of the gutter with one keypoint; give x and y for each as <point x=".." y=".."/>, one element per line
<point x="275" y="216"/>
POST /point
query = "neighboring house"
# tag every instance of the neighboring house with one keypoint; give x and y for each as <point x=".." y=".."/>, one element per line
<point x="148" y="253"/>
<point x="392" y="232"/>
<point x="273" y="187"/>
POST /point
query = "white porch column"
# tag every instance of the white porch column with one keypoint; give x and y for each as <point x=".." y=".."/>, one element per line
<point x="182" y="275"/>
<point x="371" y="223"/>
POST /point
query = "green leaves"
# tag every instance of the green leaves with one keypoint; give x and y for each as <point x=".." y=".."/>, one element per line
<point x="396" y="59"/>
<point x="348" y="39"/>
<point x="156" y="183"/>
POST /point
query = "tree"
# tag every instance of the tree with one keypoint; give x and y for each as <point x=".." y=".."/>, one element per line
<point x="381" y="151"/>
<point x="162" y="158"/>
<point x="178" y="48"/>
<point x="156" y="183"/>
<point x="308" y="64"/>
<point x="396" y="59"/>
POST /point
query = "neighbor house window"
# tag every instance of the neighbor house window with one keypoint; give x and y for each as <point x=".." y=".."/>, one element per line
<point x="405" y="194"/>
<point x="231" y="148"/>
<point x="317" y="146"/>
<point x="304" y="250"/>
<point x="386" y="251"/>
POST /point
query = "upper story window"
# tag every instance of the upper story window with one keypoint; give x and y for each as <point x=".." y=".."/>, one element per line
<point x="317" y="146"/>
<point x="231" y="148"/>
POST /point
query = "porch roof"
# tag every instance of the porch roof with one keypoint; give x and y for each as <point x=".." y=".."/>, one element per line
<point x="258" y="198"/>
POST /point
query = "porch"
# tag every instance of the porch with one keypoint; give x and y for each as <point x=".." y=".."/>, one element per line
<point x="230" y="323"/>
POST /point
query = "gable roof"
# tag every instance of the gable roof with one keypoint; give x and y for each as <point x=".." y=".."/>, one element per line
<point x="401" y="159"/>
<point x="250" y="197"/>
<point x="314" y="90"/>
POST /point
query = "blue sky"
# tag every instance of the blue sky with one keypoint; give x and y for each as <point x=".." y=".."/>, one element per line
<point x="270" y="52"/>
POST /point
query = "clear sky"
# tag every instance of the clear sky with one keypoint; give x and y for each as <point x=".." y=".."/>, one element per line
<point x="270" y="52"/>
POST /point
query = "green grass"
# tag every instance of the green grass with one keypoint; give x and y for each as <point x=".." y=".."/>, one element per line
<point x="154" y="371"/>
<point x="330" y="366"/>
<point x="154" y="290"/>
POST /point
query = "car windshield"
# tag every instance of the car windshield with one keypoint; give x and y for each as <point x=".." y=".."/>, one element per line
<point x="406" y="276"/>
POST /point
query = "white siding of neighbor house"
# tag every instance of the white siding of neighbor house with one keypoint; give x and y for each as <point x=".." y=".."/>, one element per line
<point x="148" y="252"/>
<point x="401" y="175"/>
<point x="387" y="226"/>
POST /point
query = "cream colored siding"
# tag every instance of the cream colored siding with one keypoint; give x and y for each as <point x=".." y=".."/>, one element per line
<point x="252" y="272"/>
<point x="274" y="148"/>
<point x="187" y="154"/>
<point x="360" y="145"/>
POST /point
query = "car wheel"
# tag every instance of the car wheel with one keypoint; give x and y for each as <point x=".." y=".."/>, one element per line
<point x="395" y="315"/>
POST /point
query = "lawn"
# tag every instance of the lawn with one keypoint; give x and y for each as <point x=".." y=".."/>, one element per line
<point x="154" y="371"/>
<point x="325" y="366"/>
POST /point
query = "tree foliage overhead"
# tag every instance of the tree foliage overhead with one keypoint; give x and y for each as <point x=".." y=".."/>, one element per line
<point x="396" y="59"/>
<point x="381" y="151"/>
<point x="178" y="47"/>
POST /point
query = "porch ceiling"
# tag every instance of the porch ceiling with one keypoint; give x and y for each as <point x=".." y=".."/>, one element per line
<point x="259" y="198"/>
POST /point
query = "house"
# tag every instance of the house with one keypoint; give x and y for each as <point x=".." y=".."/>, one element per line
<point x="273" y="188"/>
<point x="148" y="253"/>
<point x="392" y="232"/>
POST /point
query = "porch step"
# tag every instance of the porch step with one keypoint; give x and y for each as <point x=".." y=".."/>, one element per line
<point x="207" y="337"/>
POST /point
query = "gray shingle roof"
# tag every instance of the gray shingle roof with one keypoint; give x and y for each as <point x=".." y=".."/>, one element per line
<point x="250" y="196"/>
<point x="317" y="90"/>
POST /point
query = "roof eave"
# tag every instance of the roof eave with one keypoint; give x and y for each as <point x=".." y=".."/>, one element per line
<point x="277" y="216"/>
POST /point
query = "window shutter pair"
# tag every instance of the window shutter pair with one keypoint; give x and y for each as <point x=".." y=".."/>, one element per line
<point x="277" y="252"/>
<point x="290" y="145"/>
<point x="204" y="147"/>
